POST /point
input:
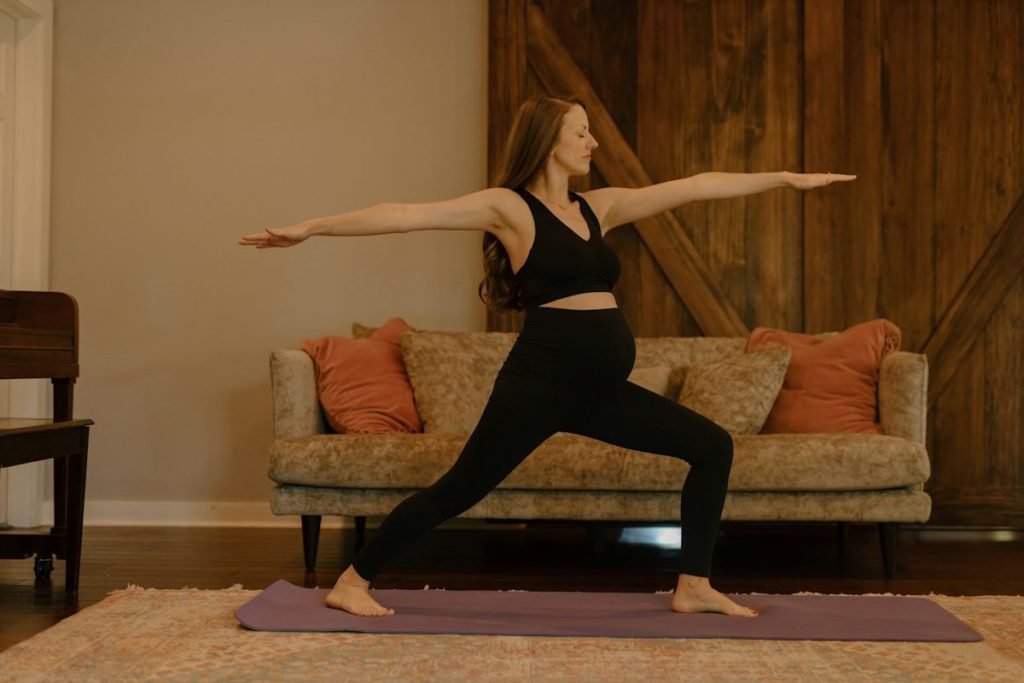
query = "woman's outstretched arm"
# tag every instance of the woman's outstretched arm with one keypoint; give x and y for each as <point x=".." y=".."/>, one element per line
<point x="475" y="211"/>
<point x="622" y="205"/>
<point x="717" y="185"/>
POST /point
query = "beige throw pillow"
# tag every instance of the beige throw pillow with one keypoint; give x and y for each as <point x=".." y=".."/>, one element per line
<point x="452" y="375"/>
<point x="738" y="392"/>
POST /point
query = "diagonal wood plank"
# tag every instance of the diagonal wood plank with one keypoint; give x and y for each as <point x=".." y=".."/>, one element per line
<point x="964" y="320"/>
<point x="668" y="242"/>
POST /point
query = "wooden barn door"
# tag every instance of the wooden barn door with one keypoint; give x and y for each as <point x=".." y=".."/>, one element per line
<point x="921" y="99"/>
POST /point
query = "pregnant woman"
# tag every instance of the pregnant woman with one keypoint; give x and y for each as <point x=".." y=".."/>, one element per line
<point x="544" y="253"/>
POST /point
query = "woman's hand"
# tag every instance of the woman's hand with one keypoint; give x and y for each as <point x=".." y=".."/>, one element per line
<point x="279" y="237"/>
<point x="809" y="181"/>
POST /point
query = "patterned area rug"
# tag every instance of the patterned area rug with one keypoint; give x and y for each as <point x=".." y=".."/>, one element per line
<point x="151" y="634"/>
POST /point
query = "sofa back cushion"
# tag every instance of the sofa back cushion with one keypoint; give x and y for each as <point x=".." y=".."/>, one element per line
<point x="452" y="374"/>
<point x="679" y="353"/>
<point x="737" y="392"/>
<point x="831" y="384"/>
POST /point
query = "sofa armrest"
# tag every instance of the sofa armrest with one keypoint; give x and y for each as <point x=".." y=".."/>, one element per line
<point x="296" y="403"/>
<point x="903" y="395"/>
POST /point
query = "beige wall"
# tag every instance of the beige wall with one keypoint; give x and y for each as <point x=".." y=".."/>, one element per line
<point x="178" y="126"/>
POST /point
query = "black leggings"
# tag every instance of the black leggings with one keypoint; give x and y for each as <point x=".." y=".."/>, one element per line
<point x="567" y="372"/>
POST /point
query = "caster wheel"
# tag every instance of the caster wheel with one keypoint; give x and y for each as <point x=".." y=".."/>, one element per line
<point x="44" y="566"/>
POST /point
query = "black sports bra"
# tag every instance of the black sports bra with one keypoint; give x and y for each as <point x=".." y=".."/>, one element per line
<point x="560" y="262"/>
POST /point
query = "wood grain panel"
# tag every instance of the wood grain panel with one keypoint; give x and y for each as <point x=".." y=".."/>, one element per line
<point x="965" y="320"/>
<point x="735" y="75"/>
<point x="977" y="111"/>
<point x="921" y="98"/>
<point x="1004" y="399"/>
<point x="669" y="143"/>
<point x="990" y="505"/>
<point x="689" y="58"/>
<point x="1004" y="336"/>
<point x="613" y="50"/>
<point x="908" y="163"/>
<point x="773" y="276"/>
<point x="825" y="128"/>
<point x="572" y="22"/>
<point x="506" y="66"/>
<point x="842" y="134"/>
<point x="614" y="76"/>
<point x="859" y="230"/>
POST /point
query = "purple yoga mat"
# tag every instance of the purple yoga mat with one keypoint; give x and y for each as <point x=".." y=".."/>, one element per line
<point x="286" y="607"/>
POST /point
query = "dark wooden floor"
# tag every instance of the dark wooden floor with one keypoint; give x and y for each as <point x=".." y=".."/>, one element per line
<point x="749" y="557"/>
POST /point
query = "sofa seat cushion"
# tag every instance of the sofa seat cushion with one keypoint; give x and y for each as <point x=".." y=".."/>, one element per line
<point x="761" y="462"/>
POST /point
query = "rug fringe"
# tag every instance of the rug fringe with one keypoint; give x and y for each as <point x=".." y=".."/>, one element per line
<point x="134" y="588"/>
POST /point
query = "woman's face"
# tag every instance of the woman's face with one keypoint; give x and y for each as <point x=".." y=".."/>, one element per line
<point x="575" y="142"/>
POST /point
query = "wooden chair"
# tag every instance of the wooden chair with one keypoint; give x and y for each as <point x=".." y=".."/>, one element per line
<point x="39" y="339"/>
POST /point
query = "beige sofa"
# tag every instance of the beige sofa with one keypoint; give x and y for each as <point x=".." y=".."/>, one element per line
<point x="839" y="478"/>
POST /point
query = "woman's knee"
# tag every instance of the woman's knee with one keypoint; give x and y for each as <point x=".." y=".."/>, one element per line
<point x="723" y="445"/>
<point x="716" y="446"/>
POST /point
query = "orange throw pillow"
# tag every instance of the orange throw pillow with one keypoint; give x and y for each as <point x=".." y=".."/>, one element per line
<point x="831" y="384"/>
<point x="362" y="383"/>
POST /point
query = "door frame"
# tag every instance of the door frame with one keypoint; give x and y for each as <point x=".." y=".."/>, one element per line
<point x="25" y="264"/>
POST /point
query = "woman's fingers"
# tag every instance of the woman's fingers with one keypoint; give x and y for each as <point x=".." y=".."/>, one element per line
<point x="808" y="181"/>
<point x="257" y="236"/>
<point x="267" y="238"/>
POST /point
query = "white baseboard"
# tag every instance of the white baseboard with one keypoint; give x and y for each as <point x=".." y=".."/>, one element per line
<point x="188" y="513"/>
<point x="211" y="514"/>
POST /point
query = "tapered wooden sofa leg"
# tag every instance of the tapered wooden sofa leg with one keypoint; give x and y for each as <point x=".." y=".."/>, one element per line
<point x="310" y="539"/>
<point x="888" y="534"/>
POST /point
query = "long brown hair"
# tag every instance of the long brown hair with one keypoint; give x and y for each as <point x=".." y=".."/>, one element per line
<point x="534" y="133"/>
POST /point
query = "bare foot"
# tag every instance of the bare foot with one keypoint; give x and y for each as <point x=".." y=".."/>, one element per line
<point x="351" y="593"/>
<point x="695" y="594"/>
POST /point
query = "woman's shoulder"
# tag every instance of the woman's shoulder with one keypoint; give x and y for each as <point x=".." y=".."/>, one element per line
<point x="591" y="203"/>
<point x="597" y="202"/>
<point x="509" y="205"/>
